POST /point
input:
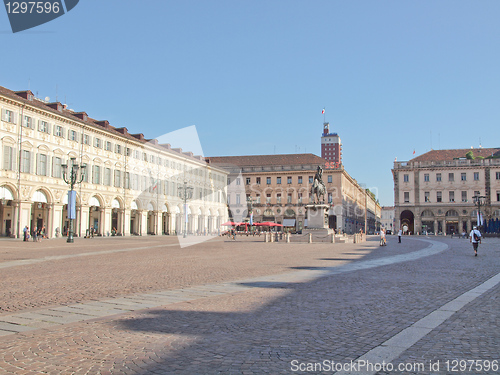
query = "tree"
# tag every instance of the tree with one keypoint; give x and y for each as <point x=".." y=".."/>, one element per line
<point x="469" y="155"/>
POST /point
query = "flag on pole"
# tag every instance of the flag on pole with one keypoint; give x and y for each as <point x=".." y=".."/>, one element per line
<point x="323" y="111"/>
<point x="251" y="218"/>
<point x="479" y="219"/>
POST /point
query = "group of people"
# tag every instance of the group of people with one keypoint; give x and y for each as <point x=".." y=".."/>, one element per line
<point x="474" y="237"/>
<point x="37" y="234"/>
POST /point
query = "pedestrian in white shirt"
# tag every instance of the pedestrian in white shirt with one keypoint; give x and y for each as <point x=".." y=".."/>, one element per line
<point x="475" y="239"/>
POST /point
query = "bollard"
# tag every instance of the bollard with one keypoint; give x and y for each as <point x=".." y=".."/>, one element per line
<point x="333" y="237"/>
<point x="310" y="239"/>
<point x="288" y="238"/>
<point x="271" y="237"/>
<point x="265" y="237"/>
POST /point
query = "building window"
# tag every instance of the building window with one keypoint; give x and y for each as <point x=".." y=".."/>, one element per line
<point x="426" y="177"/>
<point x="268" y="198"/>
<point x="41" y="169"/>
<point x="128" y="152"/>
<point x="238" y="181"/>
<point x="238" y="199"/>
<point x="278" y="198"/>
<point x="278" y="180"/>
<point x="289" y="198"/>
<point x="452" y="196"/>
<point x="406" y="178"/>
<point x="289" y="180"/>
<point x="451" y="177"/>
<point x="300" y="198"/>
<point x="407" y="196"/>
<point x="439" y="196"/>
<point x="28" y="122"/>
<point x="108" y="146"/>
<point x="427" y="196"/>
<point x="300" y="179"/>
<point x="257" y="180"/>
<point x="97" y="143"/>
<point x="330" y="178"/>
<point x="25" y="161"/>
<point x="463" y="176"/>
<point x="8" y="158"/>
<point x="86" y="139"/>
<point x="476" y="176"/>
<point x="257" y="198"/>
<point x="118" y="149"/>
<point x="56" y="167"/>
<point x="107" y="176"/>
<point x="464" y="196"/>
<point x="268" y="180"/>
<point x="311" y="179"/>
<point x="330" y="198"/>
<point x="438" y="177"/>
<point x="498" y="196"/>
<point x="73" y="136"/>
<point x="96" y="178"/>
<point x="248" y="180"/>
<point x="118" y="178"/>
<point x="59" y="132"/>
<point x="43" y="126"/>
<point x="8" y="116"/>
<point x="498" y="175"/>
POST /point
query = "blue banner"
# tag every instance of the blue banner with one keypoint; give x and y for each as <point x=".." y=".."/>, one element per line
<point x="72" y="204"/>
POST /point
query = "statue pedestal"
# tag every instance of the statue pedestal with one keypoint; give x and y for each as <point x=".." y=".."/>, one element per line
<point x="317" y="219"/>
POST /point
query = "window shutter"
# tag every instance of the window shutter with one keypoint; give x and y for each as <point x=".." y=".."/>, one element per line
<point x="6" y="157"/>
<point x="4" y="115"/>
<point x="32" y="162"/>
<point x="54" y="129"/>
<point x="39" y="125"/>
<point x="38" y="166"/>
<point x="14" y="118"/>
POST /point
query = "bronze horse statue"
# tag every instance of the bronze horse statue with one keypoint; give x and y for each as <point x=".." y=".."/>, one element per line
<point x="318" y="188"/>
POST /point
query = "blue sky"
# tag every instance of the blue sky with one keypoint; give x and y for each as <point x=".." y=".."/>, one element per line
<point x="253" y="76"/>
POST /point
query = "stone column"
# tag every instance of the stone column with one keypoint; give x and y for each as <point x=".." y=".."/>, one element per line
<point x="50" y="220"/>
<point x="16" y="230"/>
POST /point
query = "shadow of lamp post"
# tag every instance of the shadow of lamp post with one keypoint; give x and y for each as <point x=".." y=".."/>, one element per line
<point x="74" y="176"/>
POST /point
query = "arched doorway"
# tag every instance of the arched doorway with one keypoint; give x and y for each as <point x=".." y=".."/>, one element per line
<point x="165" y="220"/>
<point x="135" y="219"/>
<point x="407" y="222"/>
<point x="39" y="212"/>
<point x="451" y="218"/>
<point x="116" y="217"/>
<point x="151" y="219"/>
<point x="6" y="212"/>
<point x="95" y="216"/>
<point x="428" y="222"/>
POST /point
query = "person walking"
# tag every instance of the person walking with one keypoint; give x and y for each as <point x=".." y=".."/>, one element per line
<point x="382" y="238"/>
<point x="35" y="234"/>
<point x="475" y="239"/>
<point x="26" y="233"/>
<point x="400" y="233"/>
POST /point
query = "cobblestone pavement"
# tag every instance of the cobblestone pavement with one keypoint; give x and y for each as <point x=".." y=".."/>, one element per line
<point x="271" y="327"/>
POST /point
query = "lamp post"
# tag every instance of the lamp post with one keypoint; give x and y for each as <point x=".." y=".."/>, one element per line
<point x="479" y="201"/>
<point x="250" y="210"/>
<point x="185" y="193"/>
<point x="72" y="177"/>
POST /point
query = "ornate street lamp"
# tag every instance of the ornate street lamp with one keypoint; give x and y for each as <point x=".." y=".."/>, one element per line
<point x="479" y="200"/>
<point x="185" y="193"/>
<point x="75" y="176"/>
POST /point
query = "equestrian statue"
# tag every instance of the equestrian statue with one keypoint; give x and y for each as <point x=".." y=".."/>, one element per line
<point x="318" y="188"/>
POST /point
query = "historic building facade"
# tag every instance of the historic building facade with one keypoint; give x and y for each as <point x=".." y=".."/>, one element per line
<point x="131" y="185"/>
<point x="435" y="192"/>
<point x="387" y="218"/>
<point x="278" y="187"/>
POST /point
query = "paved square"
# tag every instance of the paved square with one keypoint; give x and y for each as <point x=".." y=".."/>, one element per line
<point x="143" y="305"/>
